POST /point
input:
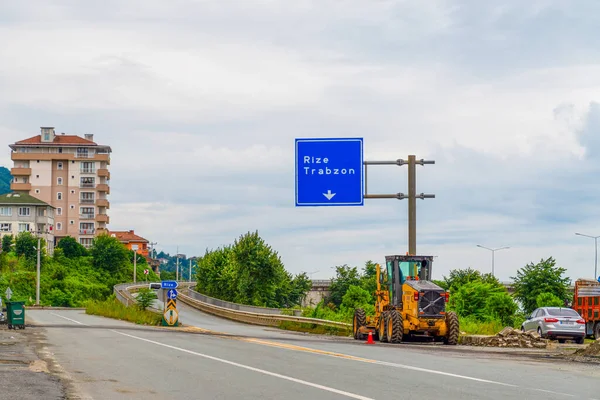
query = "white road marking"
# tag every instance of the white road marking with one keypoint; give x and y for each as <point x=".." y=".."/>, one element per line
<point x="69" y="319"/>
<point x="553" y="392"/>
<point x="262" y="371"/>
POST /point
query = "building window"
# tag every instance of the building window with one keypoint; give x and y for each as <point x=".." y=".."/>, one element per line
<point x="24" y="211"/>
<point x="88" y="167"/>
<point x="59" y="211"/>
<point x="6" y="211"/>
<point x="59" y="165"/>
<point x="72" y="192"/>
<point x="5" y="227"/>
<point x="72" y="206"/>
<point x="59" y="226"/>
<point x="41" y="212"/>
<point x="23" y="227"/>
<point x="72" y="222"/>
<point x="59" y="196"/>
<point x="37" y="176"/>
<point x="59" y="181"/>
<point x="37" y="191"/>
<point x="87" y="182"/>
<point x="87" y="197"/>
<point x="86" y="242"/>
<point x="86" y="212"/>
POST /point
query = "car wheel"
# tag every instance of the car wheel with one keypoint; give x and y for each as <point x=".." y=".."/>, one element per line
<point x="540" y="332"/>
<point x="522" y="328"/>
<point x="580" y="340"/>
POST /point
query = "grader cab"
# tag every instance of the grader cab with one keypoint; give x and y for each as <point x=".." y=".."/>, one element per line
<point x="407" y="304"/>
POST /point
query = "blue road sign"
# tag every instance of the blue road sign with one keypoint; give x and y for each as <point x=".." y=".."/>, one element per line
<point x="329" y="172"/>
<point x="168" y="284"/>
<point x="172" y="294"/>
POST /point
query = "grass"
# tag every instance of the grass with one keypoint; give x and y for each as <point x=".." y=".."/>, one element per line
<point x="313" y="328"/>
<point x="113" y="308"/>
<point x="473" y="327"/>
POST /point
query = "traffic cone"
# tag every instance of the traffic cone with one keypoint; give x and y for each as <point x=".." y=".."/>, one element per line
<point x="370" y="338"/>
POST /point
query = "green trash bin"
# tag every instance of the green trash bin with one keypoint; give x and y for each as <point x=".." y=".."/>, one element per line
<point x="15" y="311"/>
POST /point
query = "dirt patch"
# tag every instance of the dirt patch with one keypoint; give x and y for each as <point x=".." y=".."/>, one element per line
<point x="508" y="337"/>
<point x="39" y="366"/>
<point x="593" y="350"/>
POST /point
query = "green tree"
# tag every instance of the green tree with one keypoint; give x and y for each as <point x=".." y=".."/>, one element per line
<point x="502" y="307"/>
<point x="26" y="245"/>
<point x="7" y="241"/>
<point x="548" y="300"/>
<point x="109" y="254"/>
<point x="368" y="279"/>
<point x="71" y="248"/>
<point x="345" y="277"/>
<point x="460" y="277"/>
<point x="535" y="279"/>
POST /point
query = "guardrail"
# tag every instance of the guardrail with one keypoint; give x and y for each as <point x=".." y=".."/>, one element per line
<point x="237" y="312"/>
<point x="232" y="306"/>
<point x="255" y="318"/>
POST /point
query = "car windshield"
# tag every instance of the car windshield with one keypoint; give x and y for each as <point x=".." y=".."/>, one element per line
<point x="562" y="312"/>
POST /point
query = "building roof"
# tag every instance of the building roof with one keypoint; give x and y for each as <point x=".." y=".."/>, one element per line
<point x="127" y="236"/>
<point x="59" y="140"/>
<point x="21" y="199"/>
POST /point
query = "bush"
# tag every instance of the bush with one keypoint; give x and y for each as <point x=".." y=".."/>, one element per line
<point x="112" y="308"/>
<point x="548" y="300"/>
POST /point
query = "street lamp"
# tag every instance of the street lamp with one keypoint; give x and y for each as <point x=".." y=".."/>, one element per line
<point x="596" y="256"/>
<point x="493" y="252"/>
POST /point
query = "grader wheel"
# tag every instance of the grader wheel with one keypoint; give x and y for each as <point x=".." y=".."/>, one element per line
<point x="453" y="329"/>
<point x="360" y="319"/>
<point x="395" y="327"/>
<point x="381" y="332"/>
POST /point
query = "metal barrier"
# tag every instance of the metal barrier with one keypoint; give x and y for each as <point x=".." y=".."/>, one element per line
<point x="232" y="306"/>
<point x="232" y="311"/>
<point x="256" y="318"/>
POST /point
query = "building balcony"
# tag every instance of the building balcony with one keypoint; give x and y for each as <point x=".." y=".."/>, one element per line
<point x="101" y="231"/>
<point x="87" y="185"/>
<point x="104" y="173"/>
<point x="103" y="203"/>
<point x="87" y="171"/>
<point x="102" y="218"/>
<point x="20" y="186"/>
<point x="20" y="171"/>
<point x="103" y="187"/>
<point x="87" y="201"/>
<point x="87" y="216"/>
<point x="86" y="232"/>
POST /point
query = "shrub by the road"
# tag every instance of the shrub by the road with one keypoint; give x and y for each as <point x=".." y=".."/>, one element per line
<point x="113" y="308"/>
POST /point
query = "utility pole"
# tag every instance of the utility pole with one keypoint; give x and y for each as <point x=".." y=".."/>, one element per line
<point x="596" y="252"/>
<point x="493" y="251"/>
<point x="177" y="267"/>
<point x="412" y="194"/>
<point x="37" y="283"/>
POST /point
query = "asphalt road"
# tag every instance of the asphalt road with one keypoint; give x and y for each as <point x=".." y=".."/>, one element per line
<point x="109" y="359"/>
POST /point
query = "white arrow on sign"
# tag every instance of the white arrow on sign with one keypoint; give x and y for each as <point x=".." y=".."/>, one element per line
<point x="8" y="293"/>
<point x="329" y="195"/>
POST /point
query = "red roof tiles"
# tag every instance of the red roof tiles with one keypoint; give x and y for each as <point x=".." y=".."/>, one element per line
<point x="127" y="236"/>
<point x="61" y="140"/>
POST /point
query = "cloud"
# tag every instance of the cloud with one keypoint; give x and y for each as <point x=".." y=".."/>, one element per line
<point x="201" y="102"/>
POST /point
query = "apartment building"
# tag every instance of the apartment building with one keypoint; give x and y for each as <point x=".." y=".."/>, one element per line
<point x="70" y="173"/>
<point x="24" y="213"/>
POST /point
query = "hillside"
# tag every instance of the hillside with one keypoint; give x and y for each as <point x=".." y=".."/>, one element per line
<point x="4" y="180"/>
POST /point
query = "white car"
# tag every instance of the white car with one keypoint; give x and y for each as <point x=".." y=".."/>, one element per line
<point x="556" y="323"/>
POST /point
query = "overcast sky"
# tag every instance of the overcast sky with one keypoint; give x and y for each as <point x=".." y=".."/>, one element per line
<point x="201" y="102"/>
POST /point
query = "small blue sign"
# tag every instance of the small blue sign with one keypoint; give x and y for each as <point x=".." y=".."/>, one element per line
<point x="172" y="294"/>
<point x="168" y="284"/>
<point x="329" y="172"/>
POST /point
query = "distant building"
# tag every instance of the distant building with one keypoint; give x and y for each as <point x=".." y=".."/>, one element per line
<point x="130" y="239"/>
<point x="21" y="212"/>
<point x="70" y="173"/>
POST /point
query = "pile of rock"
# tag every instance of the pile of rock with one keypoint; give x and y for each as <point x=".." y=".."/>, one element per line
<point x="509" y="337"/>
<point x="593" y="350"/>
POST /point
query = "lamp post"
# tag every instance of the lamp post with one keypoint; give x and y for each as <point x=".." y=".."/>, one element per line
<point x="596" y="252"/>
<point x="493" y="252"/>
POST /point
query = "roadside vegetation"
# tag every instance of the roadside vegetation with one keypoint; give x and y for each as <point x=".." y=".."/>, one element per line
<point x="113" y="308"/>
<point x="250" y="272"/>
<point x="482" y="303"/>
<point x="72" y="276"/>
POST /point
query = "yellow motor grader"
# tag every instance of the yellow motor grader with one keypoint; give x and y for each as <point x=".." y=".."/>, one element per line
<point x="407" y="303"/>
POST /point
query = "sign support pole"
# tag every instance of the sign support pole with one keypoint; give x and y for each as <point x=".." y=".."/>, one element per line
<point x="412" y="194"/>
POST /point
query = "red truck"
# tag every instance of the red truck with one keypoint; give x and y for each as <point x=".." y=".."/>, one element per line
<point x="586" y="301"/>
